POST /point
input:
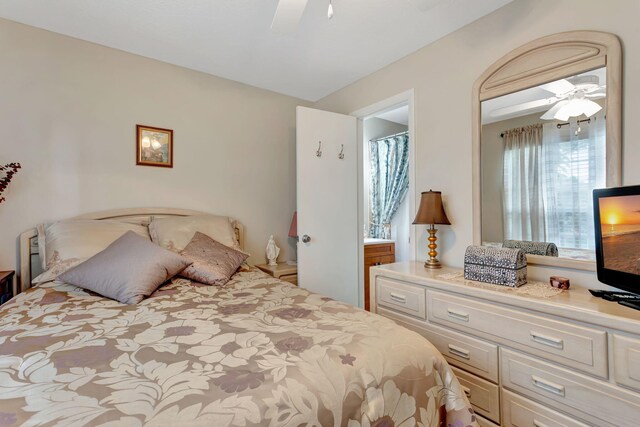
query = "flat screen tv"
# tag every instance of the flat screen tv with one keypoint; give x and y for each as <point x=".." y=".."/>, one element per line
<point x="617" y="227"/>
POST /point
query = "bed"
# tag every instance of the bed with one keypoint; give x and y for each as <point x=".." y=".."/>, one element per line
<point x="256" y="351"/>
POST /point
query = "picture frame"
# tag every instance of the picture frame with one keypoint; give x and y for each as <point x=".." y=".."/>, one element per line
<point x="154" y="146"/>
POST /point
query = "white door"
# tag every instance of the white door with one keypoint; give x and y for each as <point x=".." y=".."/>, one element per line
<point x="327" y="199"/>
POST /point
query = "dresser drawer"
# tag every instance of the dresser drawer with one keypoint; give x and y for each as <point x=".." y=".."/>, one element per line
<point x="518" y="411"/>
<point x="483" y="422"/>
<point x="471" y="354"/>
<point x="401" y="296"/>
<point x="626" y="361"/>
<point x="483" y="395"/>
<point x="574" y="393"/>
<point x="379" y="249"/>
<point x="575" y="346"/>
<point x="380" y="260"/>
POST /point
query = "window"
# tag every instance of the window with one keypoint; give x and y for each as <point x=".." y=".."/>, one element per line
<point x="549" y="180"/>
<point x="573" y="165"/>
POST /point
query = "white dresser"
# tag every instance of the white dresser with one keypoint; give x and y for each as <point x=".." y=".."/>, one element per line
<point x="568" y="360"/>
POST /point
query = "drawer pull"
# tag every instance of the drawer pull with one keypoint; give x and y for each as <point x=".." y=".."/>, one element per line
<point x="547" y="340"/>
<point x="537" y="423"/>
<point x="467" y="391"/>
<point x="458" y="315"/>
<point x="460" y="352"/>
<point x="398" y="297"/>
<point x="548" y="386"/>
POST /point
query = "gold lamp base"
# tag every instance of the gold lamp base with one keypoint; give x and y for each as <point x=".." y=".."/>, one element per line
<point x="432" y="262"/>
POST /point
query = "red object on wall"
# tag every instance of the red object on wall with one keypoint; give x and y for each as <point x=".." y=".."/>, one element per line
<point x="293" y="230"/>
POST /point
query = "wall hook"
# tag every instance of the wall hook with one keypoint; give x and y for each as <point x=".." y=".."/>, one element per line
<point x="319" y="150"/>
<point x="341" y="154"/>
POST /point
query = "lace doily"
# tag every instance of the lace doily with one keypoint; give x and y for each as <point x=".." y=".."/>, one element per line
<point x="530" y="289"/>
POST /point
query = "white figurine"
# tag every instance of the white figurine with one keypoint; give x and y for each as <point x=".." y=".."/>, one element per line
<point x="272" y="251"/>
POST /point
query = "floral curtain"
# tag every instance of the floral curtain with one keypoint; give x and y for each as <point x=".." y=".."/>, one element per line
<point x="389" y="158"/>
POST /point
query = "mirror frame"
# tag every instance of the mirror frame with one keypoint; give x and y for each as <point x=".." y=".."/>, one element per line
<point x="541" y="61"/>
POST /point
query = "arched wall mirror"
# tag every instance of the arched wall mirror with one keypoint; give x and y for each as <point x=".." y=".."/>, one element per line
<point x="546" y="132"/>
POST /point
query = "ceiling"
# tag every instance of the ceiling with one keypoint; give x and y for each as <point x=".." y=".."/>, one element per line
<point x="398" y="115"/>
<point x="233" y="39"/>
<point x="526" y="95"/>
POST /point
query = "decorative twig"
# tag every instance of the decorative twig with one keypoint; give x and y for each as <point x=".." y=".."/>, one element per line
<point x="9" y="170"/>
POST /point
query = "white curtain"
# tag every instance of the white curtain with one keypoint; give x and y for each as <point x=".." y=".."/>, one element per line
<point x="574" y="164"/>
<point x="523" y="201"/>
<point x="549" y="176"/>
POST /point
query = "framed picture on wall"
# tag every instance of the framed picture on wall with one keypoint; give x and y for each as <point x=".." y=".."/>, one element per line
<point x="154" y="146"/>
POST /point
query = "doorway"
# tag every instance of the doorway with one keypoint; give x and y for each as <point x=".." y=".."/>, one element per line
<point x="386" y="191"/>
<point x="387" y="134"/>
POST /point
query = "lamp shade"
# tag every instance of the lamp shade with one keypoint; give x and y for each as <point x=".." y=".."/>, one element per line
<point x="293" y="230"/>
<point x="431" y="210"/>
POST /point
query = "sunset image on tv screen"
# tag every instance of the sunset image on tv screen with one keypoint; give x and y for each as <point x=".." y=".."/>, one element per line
<point x="620" y="222"/>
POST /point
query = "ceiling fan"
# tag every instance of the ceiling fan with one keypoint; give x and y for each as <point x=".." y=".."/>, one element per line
<point x="289" y="12"/>
<point x="572" y="97"/>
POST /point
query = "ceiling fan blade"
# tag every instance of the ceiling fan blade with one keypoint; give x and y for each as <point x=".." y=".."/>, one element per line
<point x="288" y="15"/>
<point x="602" y="88"/>
<point x="424" y="5"/>
<point x="522" y="107"/>
<point x="559" y="87"/>
<point x="596" y="95"/>
<point x="550" y="114"/>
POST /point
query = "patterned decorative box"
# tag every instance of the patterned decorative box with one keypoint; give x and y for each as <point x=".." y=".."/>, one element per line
<point x="500" y="266"/>
<point x="533" y="248"/>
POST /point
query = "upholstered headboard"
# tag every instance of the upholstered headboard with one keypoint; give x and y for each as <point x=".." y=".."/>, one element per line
<point x="30" y="257"/>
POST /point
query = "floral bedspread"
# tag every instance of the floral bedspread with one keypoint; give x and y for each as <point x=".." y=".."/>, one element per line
<point x="256" y="351"/>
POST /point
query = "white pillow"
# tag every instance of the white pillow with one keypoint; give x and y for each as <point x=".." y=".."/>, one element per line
<point x="67" y="243"/>
<point x="175" y="233"/>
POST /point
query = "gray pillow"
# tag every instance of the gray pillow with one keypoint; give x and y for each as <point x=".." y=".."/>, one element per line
<point x="213" y="262"/>
<point x="128" y="270"/>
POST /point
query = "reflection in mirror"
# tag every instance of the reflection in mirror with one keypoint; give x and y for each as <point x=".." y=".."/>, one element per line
<point x="542" y="153"/>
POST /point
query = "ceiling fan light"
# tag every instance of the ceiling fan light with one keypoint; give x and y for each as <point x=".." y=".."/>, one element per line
<point x="590" y="107"/>
<point x="562" y="116"/>
<point x="330" y="11"/>
<point x="573" y="108"/>
<point x="551" y="113"/>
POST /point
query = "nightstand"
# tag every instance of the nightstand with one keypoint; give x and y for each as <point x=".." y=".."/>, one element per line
<point x="282" y="271"/>
<point x="6" y="286"/>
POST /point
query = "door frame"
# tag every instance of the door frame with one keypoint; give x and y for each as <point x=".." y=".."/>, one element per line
<point x="404" y="98"/>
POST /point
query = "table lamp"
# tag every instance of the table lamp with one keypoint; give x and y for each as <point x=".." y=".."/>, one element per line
<point x="431" y="212"/>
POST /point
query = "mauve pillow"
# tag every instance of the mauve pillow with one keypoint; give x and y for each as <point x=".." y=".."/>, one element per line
<point x="128" y="270"/>
<point x="212" y="262"/>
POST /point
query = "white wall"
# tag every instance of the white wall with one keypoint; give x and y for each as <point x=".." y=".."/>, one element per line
<point x="442" y="76"/>
<point x="401" y="230"/>
<point x="68" y="111"/>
